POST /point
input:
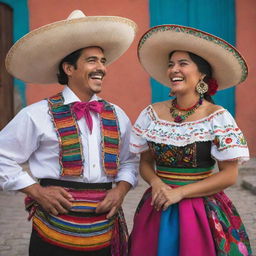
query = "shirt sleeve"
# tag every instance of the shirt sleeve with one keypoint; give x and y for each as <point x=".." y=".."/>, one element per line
<point x="229" y="142"/>
<point x="129" y="162"/>
<point x="17" y="142"/>
<point x="138" y="143"/>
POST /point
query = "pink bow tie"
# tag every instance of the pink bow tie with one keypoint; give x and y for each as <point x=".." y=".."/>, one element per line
<point x="83" y="109"/>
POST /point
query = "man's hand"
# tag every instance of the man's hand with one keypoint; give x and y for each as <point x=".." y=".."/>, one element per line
<point x="114" y="199"/>
<point x="55" y="200"/>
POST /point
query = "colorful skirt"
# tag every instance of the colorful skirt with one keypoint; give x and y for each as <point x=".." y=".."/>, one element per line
<point x="82" y="229"/>
<point x="193" y="227"/>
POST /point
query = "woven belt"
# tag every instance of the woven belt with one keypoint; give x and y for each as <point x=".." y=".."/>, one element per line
<point x="183" y="176"/>
<point x="80" y="229"/>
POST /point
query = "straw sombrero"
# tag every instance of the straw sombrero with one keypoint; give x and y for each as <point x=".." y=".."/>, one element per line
<point x="229" y="67"/>
<point x="35" y="57"/>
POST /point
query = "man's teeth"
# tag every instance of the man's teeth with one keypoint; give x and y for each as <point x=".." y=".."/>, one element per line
<point x="96" y="77"/>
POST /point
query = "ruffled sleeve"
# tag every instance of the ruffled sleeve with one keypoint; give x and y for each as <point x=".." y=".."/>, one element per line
<point x="138" y="143"/>
<point x="229" y="142"/>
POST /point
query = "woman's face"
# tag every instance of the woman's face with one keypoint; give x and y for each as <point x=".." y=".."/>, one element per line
<point x="183" y="73"/>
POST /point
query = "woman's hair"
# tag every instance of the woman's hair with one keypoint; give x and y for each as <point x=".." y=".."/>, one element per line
<point x="70" y="59"/>
<point x="204" y="67"/>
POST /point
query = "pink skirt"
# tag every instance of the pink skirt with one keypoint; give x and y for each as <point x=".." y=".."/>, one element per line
<point x="193" y="227"/>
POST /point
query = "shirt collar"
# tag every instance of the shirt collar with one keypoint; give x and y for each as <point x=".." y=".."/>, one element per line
<point x="70" y="97"/>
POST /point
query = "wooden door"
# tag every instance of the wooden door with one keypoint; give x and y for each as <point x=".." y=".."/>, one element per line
<point x="6" y="81"/>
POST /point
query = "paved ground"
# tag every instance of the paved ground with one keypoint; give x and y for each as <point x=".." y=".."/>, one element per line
<point x="15" y="230"/>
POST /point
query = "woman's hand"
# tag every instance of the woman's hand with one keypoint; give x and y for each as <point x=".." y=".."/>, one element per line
<point x="162" y="195"/>
<point x="159" y="190"/>
<point x="172" y="196"/>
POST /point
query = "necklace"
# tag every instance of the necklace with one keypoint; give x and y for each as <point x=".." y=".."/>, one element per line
<point x="175" y="110"/>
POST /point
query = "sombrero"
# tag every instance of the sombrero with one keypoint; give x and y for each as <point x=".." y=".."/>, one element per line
<point x="36" y="56"/>
<point x="229" y="67"/>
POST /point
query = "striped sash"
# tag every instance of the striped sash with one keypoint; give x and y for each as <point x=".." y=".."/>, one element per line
<point x="182" y="176"/>
<point x="81" y="229"/>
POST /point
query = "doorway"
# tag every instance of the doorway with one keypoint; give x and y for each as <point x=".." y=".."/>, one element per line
<point x="6" y="80"/>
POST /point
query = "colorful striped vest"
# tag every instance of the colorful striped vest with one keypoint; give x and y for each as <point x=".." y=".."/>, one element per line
<point x="71" y="149"/>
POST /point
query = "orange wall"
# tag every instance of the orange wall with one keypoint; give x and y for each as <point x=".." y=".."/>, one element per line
<point x="246" y="92"/>
<point x="126" y="84"/>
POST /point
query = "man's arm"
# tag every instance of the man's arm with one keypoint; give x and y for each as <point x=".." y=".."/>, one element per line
<point x="18" y="140"/>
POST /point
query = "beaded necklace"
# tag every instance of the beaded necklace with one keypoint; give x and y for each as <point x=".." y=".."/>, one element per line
<point x="175" y="110"/>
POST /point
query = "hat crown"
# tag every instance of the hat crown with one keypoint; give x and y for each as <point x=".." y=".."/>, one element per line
<point x="76" y="14"/>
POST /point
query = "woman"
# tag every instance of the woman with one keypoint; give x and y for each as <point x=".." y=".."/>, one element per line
<point x="181" y="141"/>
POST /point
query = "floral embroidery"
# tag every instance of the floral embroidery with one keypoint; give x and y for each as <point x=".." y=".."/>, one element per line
<point x="168" y="155"/>
<point x="210" y="128"/>
<point x="227" y="228"/>
<point x="228" y="140"/>
<point x="234" y="140"/>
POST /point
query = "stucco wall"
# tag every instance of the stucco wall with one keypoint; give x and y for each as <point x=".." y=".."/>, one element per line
<point x="246" y="92"/>
<point x="126" y="84"/>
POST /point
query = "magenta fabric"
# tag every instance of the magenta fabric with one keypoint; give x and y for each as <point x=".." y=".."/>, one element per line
<point x="83" y="109"/>
<point x="144" y="236"/>
<point x="195" y="234"/>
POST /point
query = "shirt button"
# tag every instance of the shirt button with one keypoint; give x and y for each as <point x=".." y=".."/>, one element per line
<point x="93" y="165"/>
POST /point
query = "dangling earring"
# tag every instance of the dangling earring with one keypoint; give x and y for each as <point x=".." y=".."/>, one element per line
<point x="202" y="87"/>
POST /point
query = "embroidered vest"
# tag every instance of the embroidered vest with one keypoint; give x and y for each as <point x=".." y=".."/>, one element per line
<point x="71" y="149"/>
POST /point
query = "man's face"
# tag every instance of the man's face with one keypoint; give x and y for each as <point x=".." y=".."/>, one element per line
<point x="87" y="77"/>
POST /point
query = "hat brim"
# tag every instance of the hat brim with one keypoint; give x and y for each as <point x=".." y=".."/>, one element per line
<point x="36" y="56"/>
<point x="228" y="66"/>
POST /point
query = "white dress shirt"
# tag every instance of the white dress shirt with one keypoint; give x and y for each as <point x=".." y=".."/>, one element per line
<point x="31" y="137"/>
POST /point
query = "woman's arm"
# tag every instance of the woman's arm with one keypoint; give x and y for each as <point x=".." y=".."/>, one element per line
<point x="147" y="172"/>
<point x="226" y="177"/>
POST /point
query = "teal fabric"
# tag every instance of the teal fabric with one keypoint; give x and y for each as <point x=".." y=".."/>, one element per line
<point x="20" y="28"/>
<point x="168" y="239"/>
<point x="214" y="16"/>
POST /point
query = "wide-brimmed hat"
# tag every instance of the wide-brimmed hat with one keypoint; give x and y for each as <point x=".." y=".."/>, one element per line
<point x="36" y="56"/>
<point x="228" y="66"/>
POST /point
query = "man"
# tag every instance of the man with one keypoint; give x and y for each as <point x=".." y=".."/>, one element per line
<point x="76" y="143"/>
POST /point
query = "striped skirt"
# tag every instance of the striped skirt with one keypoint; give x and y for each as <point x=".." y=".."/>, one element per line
<point x="82" y="229"/>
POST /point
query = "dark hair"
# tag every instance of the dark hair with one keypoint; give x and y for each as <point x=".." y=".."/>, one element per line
<point x="204" y="67"/>
<point x="70" y="59"/>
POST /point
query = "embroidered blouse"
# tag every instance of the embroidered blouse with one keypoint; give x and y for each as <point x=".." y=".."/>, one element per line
<point x="219" y="129"/>
<point x="31" y="137"/>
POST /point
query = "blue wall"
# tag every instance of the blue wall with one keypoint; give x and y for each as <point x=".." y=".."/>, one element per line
<point x="217" y="17"/>
<point x="20" y="28"/>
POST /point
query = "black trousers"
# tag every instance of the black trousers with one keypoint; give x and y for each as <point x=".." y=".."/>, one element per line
<point x="39" y="247"/>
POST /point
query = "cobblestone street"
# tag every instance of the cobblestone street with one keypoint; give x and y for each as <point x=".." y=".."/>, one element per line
<point x="15" y="230"/>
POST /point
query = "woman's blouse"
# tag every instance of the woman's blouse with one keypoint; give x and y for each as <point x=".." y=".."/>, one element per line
<point x="216" y="136"/>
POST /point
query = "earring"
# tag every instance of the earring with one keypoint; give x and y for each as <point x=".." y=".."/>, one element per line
<point x="171" y="94"/>
<point x="202" y="87"/>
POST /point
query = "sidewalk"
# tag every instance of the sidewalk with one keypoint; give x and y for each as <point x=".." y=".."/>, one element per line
<point x="249" y="176"/>
<point x="15" y="230"/>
